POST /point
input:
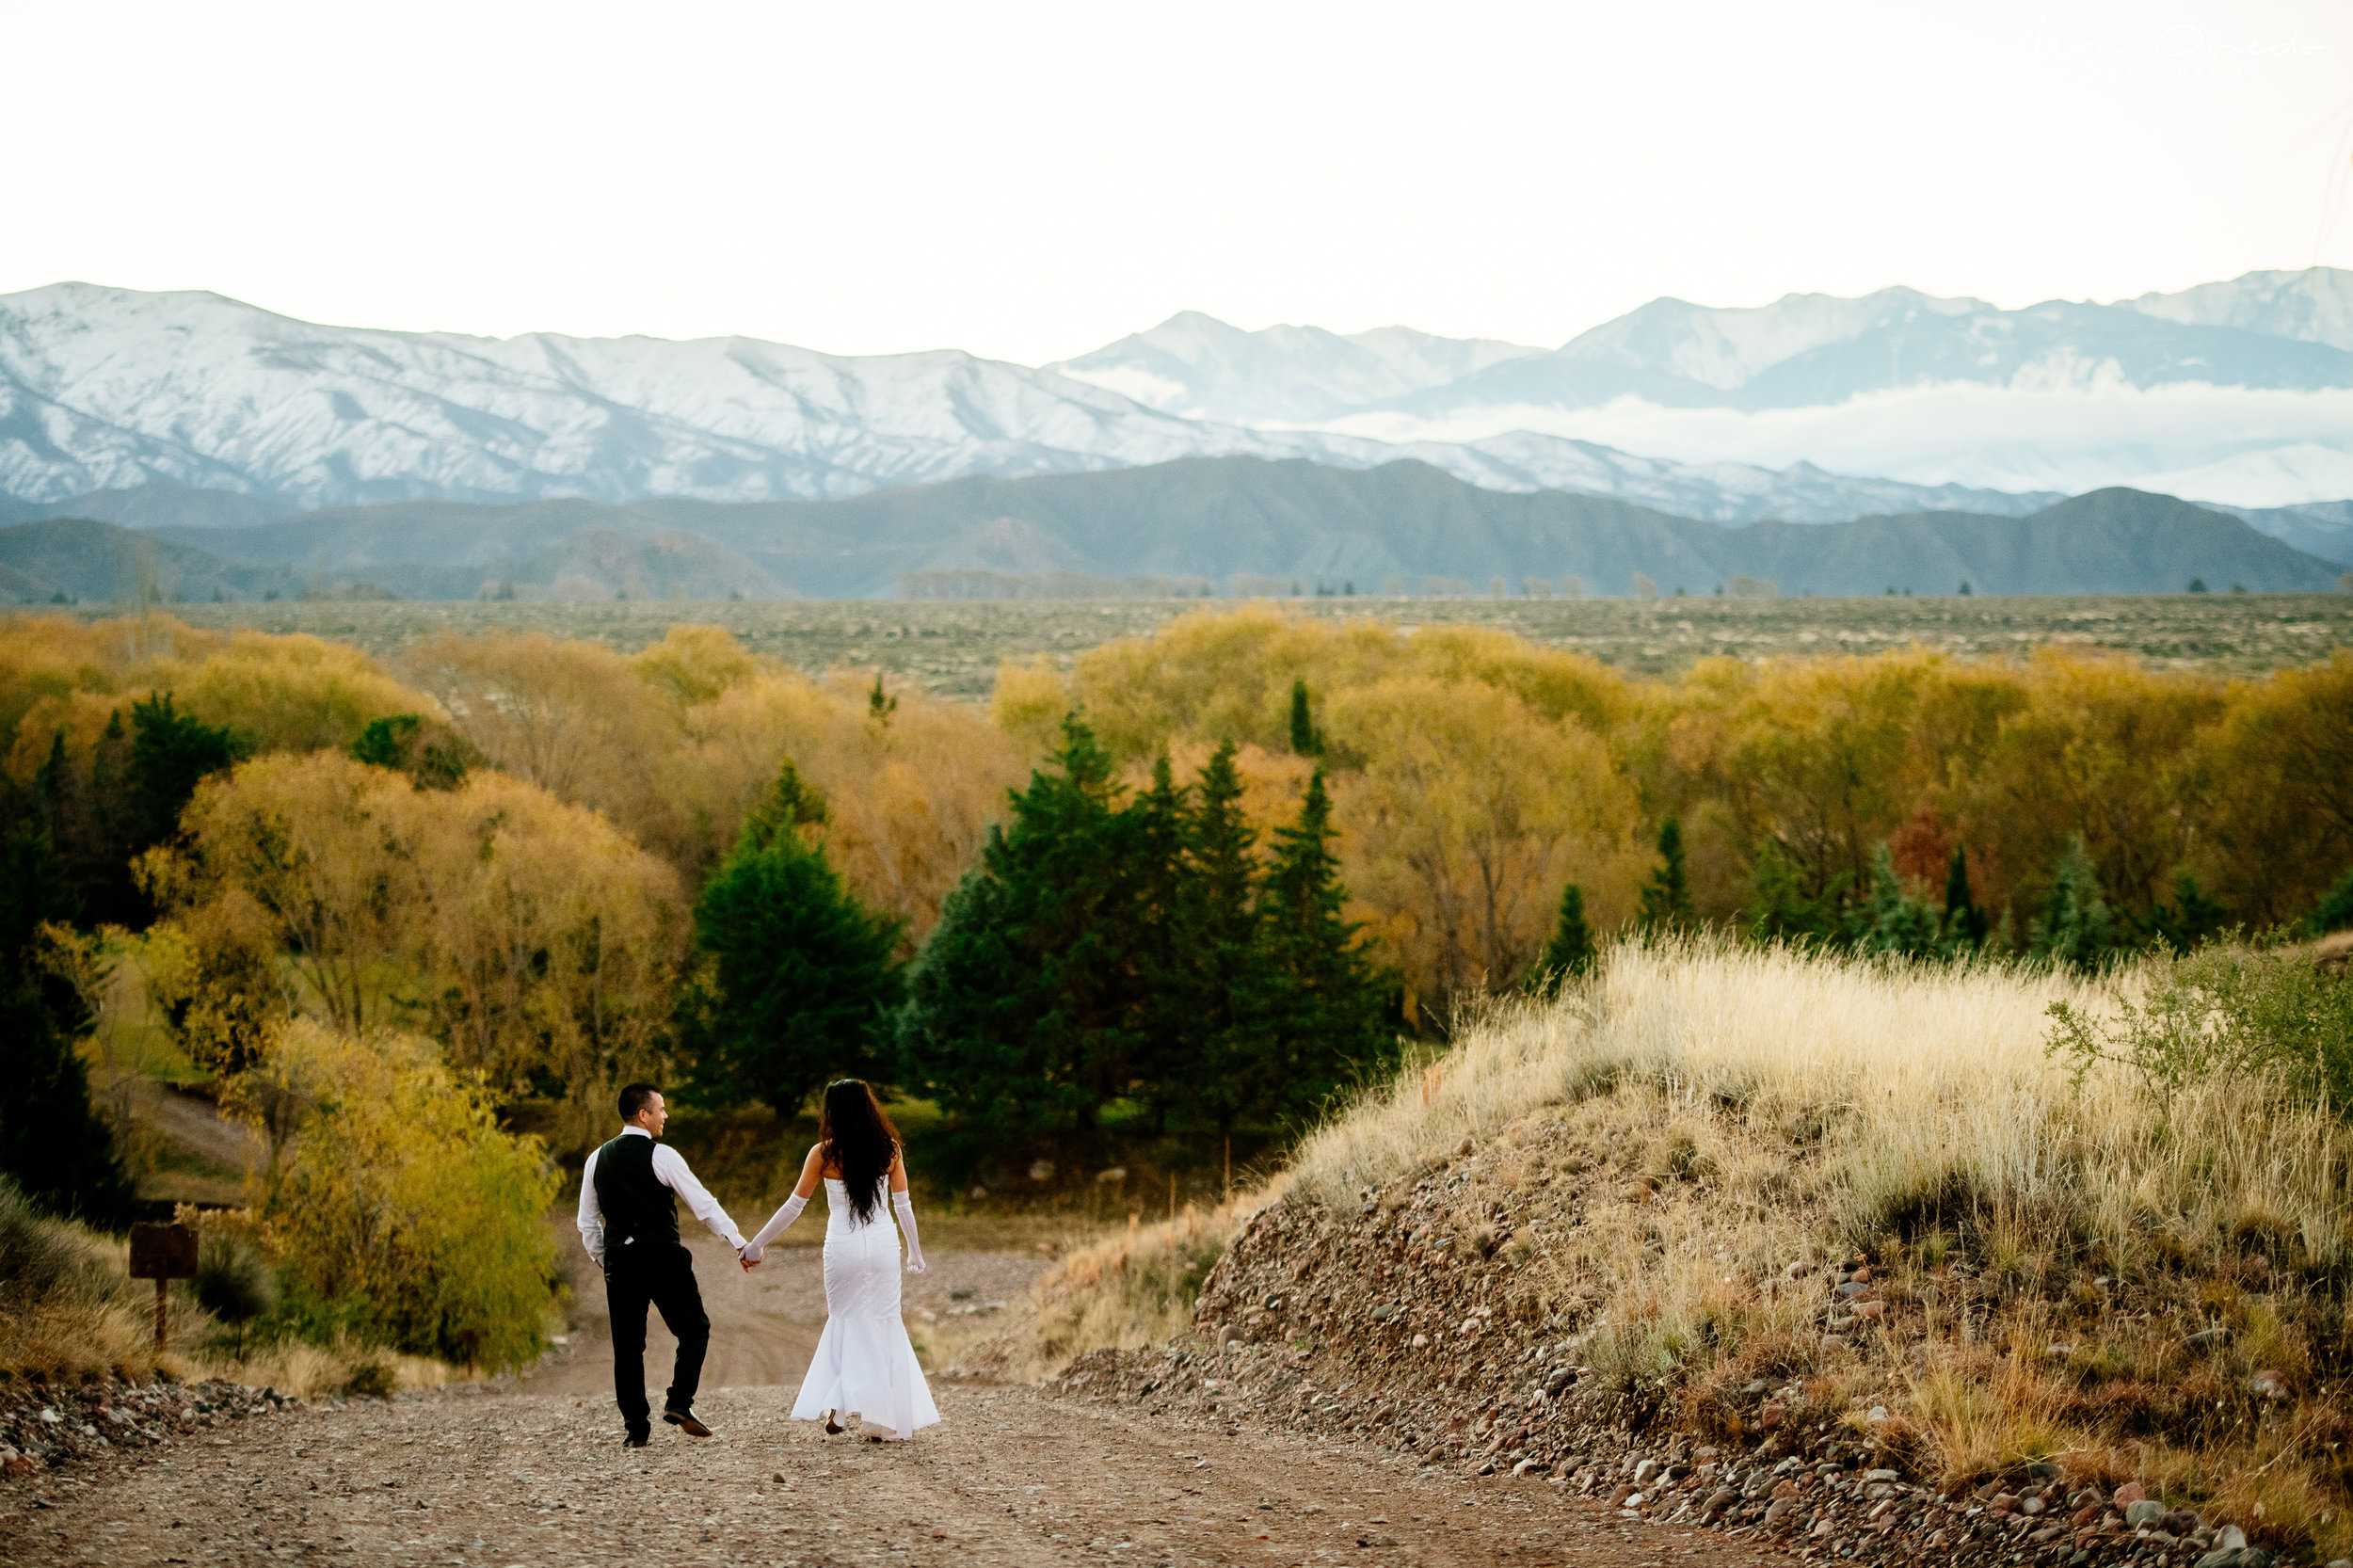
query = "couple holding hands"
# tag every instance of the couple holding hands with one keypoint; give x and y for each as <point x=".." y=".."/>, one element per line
<point x="864" y="1369"/>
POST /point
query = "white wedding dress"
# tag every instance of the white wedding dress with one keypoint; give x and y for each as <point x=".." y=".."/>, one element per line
<point x="864" y="1365"/>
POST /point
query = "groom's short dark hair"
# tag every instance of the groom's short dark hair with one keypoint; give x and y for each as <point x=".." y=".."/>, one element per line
<point x="634" y="1098"/>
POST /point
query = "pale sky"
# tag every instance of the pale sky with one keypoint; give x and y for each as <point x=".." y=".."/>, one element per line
<point x="1030" y="181"/>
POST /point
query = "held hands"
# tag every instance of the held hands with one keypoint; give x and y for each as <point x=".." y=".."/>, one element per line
<point x="751" y="1254"/>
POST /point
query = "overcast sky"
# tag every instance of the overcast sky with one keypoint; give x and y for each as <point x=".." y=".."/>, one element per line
<point x="1030" y="181"/>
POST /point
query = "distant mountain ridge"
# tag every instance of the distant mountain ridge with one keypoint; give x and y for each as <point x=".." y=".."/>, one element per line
<point x="1221" y="519"/>
<point x="2242" y="390"/>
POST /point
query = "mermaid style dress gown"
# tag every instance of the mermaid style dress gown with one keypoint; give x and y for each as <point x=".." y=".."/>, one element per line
<point x="865" y="1364"/>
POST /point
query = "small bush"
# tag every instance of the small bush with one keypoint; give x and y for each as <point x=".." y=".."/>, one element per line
<point x="2225" y="1013"/>
<point x="233" y="1282"/>
<point x="371" y="1380"/>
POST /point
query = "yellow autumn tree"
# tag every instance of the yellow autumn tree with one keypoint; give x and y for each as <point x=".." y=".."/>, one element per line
<point x="400" y="1203"/>
<point x="1464" y="811"/>
<point x="532" y="937"/>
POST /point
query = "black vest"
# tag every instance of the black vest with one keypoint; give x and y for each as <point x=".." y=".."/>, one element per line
<point x="637" y="1208"/>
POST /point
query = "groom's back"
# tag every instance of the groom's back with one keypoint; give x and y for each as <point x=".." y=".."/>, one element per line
<point x="638" y="1208"/>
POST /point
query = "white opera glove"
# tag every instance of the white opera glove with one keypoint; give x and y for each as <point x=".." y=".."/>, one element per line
<point x="907" y="1227"/>
<point x="777" y="1224"/>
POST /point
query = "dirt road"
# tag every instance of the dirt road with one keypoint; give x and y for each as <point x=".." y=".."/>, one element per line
<point x="536" y="1476"/>
<point x="763" y="1324"/>
<point x="1009" y="1477"/>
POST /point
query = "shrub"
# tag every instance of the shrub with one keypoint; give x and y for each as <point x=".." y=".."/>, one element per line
<point x="233" y="1282"/>
<point x="402" y="1199"/>
<point x="2225" y="1013"/>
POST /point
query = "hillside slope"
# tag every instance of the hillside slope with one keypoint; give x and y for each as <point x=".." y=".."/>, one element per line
<point x="1809" y="1246"/>
<point x="97" y="563"/>
<point x="1403" y="523"/>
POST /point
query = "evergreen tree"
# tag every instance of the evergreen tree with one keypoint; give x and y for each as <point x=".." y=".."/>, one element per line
<point x="1965" y="927"/>
<point x="2335" y="909"/>
<point x="172" y="753"/>
<point x="1224" y="983"/>
<point x="2193" y="919"/>
<point x="1571" y="953"/>
<point x="1781" y="910"/>
<point x="433" y="756"/>
<point x="1306" y="739"/>
<point x="1667" y="895"/>
<point x="1024" y="1008"/>
<point x="1890" y="920"/>
<point x="800" y="980"/>
<point x="1170" y="1028"/>
<point x="56" y="1145"/>
<point x="2075" y="927"/>
<point x="1326" y="1004"/>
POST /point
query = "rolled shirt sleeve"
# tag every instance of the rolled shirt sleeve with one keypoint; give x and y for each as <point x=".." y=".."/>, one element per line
<point x="591" y="1217"/>
<point x="669" y="1168"/>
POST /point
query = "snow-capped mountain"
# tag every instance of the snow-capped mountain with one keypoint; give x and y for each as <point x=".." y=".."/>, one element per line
<point x="1746" y="414"/>
<point x="2311" y="306"/>
<point x="2241" y="390"/>
<point x="1197" y="366"/>
<point x="105" y="392"/>
<point x="103" y="388"/>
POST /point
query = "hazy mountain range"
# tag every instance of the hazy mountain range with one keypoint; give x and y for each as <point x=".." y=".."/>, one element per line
<point x="2240" y="391"/>
<point x="1244" y="524"/>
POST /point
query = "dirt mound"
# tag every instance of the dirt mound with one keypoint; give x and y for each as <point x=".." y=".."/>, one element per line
<point x="1424" y="1322"/>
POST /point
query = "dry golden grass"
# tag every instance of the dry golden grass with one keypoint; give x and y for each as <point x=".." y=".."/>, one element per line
<point x="1724" y="1112"/>
<point x="1125" y="1291"/>
<point x="69" y="1311"/>
<point x="1916" y="1093"/>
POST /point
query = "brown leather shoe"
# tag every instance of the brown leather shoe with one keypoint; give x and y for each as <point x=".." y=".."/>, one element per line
<point x="685" y="1422"/>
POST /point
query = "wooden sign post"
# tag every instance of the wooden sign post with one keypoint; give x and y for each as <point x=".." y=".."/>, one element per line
<point x="163" y="1254"/>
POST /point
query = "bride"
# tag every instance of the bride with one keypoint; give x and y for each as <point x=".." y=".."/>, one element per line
<point x="864" y="1367"/>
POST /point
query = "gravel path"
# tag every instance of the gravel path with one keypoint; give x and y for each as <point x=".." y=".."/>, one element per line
<point x="1009" y="1477"/>
<point x="536" y="1475"/>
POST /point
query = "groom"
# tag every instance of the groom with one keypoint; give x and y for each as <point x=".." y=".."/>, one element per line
<point x="628" y="1193"/>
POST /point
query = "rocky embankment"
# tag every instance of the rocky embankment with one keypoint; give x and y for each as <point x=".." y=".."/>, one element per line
<point x="43" y="1424"/>
<point x="1426" y="1321"/>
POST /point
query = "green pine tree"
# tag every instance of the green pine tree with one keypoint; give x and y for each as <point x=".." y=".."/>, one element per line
<point x="1964" y="928"/>
<point x="1025" y="1007"/>
<point x="799" y="981"/>
<point x="1781" y="910"/>
<point x="172" y="753"/>
<point x="1306" y="739"/>
<point x="1666" y="903"/>
<point x="52" y="1142"/>
<point x="1327" y="1011"/>
<point x="1223" y="984"/>
<point x="2192" y="918"/>
<point x="432" y="755"/>
<point x="2076" y="927"/>
<point x="1170" y="1028"/>
<point x="2335" y="910"/>
<point x="1571" y="953"/>
<point x="1890" y="920"/>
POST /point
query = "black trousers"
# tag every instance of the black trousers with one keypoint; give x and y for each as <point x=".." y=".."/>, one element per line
<point x="660" y="1274"/>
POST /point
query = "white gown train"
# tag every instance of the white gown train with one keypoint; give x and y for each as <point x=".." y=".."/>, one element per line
<point x="865" y="1364"/>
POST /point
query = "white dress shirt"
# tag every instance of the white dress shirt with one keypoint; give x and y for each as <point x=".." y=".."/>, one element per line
<point x="669" y="1168"/>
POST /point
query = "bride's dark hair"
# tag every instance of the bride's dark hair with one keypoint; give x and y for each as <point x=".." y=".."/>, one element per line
<point x="857" y="1136"/>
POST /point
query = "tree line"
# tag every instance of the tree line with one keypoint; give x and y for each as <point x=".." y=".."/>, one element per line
<point x="1113" y="953"/>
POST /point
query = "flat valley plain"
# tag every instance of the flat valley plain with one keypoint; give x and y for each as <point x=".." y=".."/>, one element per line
<point x="953" y="646"/>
